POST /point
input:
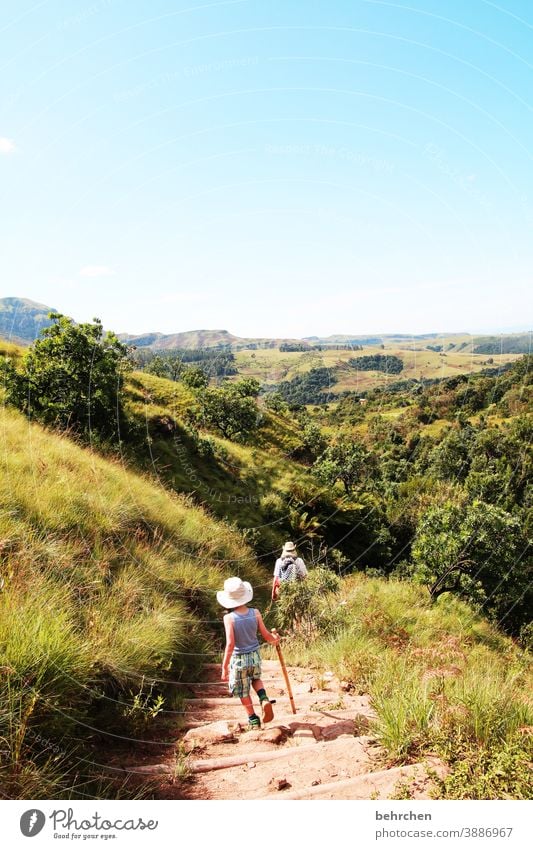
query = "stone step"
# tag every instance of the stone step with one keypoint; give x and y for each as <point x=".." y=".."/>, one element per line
<point x="231" y="761"/>
<point x="288" y="751"/>
<point x="281" y="718"/>
<point x="376" y="784"/>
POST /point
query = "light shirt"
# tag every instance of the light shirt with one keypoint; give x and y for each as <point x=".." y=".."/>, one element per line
<point x="301" y="571"/>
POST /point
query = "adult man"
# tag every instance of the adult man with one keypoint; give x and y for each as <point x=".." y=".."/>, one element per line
<point x="289" y="567"/>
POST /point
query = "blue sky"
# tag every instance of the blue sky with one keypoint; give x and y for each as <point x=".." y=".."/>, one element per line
<point x="271" y="168"/>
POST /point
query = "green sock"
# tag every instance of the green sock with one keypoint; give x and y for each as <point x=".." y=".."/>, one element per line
<point x="262" y="695"/>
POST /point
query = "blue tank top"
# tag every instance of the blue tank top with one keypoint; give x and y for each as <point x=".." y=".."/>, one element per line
<point x="245" y="631"/>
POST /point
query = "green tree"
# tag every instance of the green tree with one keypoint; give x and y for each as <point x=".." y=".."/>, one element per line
<point x="346" y="461"/>
<point x="477" y="551"/>
<point x="194" y="377"/>
<point x="229" y="412"/>
<point x="158" y="366"/>
<point x="167" y="366"/>
<point x="274" y="401"/>
<point x="313" y="440"/>
<point x="450" y="460"/>
<point x="247" y="387"/>
<point x="72" y="378"/>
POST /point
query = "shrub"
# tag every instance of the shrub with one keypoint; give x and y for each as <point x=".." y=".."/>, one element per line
<point x="72" y="378"/>
<point x="498" y="773"/>
<point x="234" y="415"/>
<point x="308" y="606"/>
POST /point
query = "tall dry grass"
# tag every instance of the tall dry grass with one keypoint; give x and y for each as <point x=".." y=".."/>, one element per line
<point x="109" y="591"/>
<point x="441" y="679"/>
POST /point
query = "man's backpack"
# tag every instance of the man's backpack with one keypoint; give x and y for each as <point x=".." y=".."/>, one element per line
<point x="288" y="569"/>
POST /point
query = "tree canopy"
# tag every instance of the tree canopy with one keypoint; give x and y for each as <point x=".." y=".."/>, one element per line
<point x="72" y="378"/>
<point x="478" y="551"/>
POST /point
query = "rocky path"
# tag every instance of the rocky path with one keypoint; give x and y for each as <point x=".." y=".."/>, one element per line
<point x="324" y="751"/>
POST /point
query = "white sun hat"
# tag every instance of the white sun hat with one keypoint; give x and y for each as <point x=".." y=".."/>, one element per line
<point x="235" y="593"/>
<point x="288" y="548"/>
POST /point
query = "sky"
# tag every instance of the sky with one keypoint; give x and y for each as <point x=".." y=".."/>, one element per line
<point x="280" y="168"/>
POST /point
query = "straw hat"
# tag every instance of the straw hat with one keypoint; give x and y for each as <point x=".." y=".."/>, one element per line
<point x="288" y="548"/>
<point x="235" y="593"/>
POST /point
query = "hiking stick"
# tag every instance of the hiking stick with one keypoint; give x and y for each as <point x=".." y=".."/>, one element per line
<point x="285" y="674"/>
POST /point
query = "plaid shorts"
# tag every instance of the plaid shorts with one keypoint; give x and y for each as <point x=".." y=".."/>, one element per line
<point x="243" y="669"/>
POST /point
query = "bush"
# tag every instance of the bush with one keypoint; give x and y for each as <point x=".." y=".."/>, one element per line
<point x="234" y="415"/>
<point x="273" y="507"/>
<point x="477" y="551"/>
<point x="526" y="636"/>
<point x="72" y="378"/>
<point x="308" y="606"/>
<point x="503" y="772"/>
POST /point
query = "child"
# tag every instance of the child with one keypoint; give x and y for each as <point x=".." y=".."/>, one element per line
<point x="242" y="661"/>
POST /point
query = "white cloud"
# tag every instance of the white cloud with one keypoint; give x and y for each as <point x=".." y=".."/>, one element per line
<point x="6" y="146"/>
<point x="96" y="271"/>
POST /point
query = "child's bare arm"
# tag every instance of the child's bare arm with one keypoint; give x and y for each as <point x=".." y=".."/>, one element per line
<point x="230" y="645"/>
<point x="265" y="633"/>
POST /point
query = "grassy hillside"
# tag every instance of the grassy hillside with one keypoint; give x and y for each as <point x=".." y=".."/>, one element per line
<point x="264" y="485"/>
<point x="111" y="558"/>
<point x="251" y="484"/>
<point x="268" y="482"/>
<point x="11" y="350"/>
<point x="108" y="577"/>
<point x="340" y="366"/>
<point x="442" y="680"/>
<point x="271" y="367"/>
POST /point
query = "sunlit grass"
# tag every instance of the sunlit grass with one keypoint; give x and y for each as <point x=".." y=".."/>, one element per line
<point x="441" y="679"/>
<point x="110" y="581"/>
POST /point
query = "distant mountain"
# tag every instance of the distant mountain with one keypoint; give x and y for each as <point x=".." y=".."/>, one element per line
<point x="193" y="339"/>
<point x="21" y="320"/>
<point x="185" y="340"/>
<point x="343" y="339"/>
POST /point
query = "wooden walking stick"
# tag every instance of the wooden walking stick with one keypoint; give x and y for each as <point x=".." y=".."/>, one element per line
<point x="285" y="674"/>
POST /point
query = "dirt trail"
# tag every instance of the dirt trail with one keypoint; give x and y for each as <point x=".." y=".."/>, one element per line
<point x="324" y="751"/>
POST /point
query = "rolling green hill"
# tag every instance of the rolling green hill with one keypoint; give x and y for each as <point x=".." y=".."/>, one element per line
<point x="111" y="557"/>
<point x="518" y="343"/>
<point x="273" y="367"/>
<point x="275" y="364"/>
<point x="109" y="585"/>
